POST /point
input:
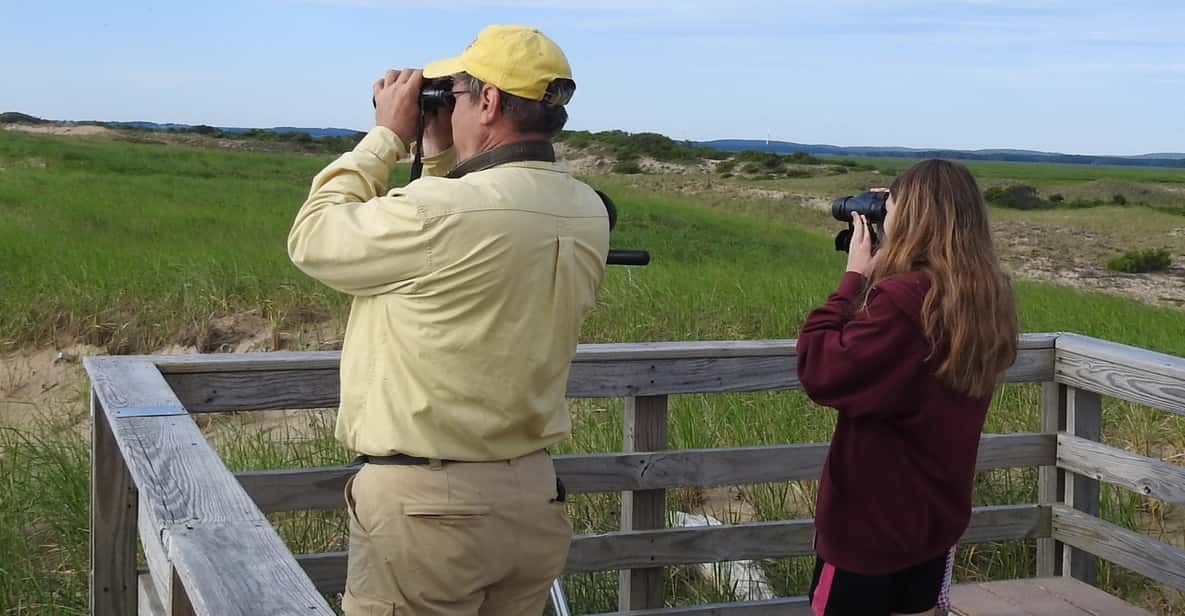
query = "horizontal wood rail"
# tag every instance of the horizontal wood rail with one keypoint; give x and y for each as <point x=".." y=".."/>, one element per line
<point x="321" y="488"/>
<point x="211" y="550"/>
<point x="684" y="546"/>
<point x="310" y="380"/>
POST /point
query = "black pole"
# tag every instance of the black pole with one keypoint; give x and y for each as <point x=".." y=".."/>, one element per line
<point x="628" y="257"/>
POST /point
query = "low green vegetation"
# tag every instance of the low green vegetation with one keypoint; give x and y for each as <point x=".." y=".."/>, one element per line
<point x="136" y="246"/>
<point x="626" y="146"/>
<point x="1025" y="197"/>
<point x="1141" y="261"/>
<point x="13" y="117"/>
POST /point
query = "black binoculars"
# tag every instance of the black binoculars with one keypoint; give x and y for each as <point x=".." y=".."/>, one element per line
<point x="437" y="93"/>
<point x="870" y="204"/>
<point x="434" y="94"/>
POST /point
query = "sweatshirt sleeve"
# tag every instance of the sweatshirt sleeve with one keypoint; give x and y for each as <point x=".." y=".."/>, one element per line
<point x="861" y="363"/>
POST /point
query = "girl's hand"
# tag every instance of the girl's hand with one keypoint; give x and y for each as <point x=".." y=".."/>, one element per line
<point x="860" y="258"/>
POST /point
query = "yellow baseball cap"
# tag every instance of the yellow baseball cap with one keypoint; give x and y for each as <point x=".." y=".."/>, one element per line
<point x="516" y="59"/>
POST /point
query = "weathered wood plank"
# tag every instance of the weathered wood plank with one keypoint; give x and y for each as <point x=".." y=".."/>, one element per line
<point x="181" y="476"/>
<point x="1004" y="522"/>
<point x="644" y="429"/>
<point x="297" y="488"/>
<point x="320" y="388"/>
<point x="1043" y="596"/>
<point x="681" y="376"/>
<point x="1050" y="479"/>
<point x="975" y="600"/>
<point x="684" y="546"/>
<point x="594" y="352"/>
<point x="1122" y="371"/>
<point x="793" y="606"/>
<point x="1080" y="594"/>
<point x="588" y="352"/>
<point x="257" y="390"/>
<point x="149" y="600"/>
<point x="246" y="362"/>
<point x="1024" y="597"/>
<point x="113" y="522"/>
<point x="198" y="510"/>
<point x="1132" y="357"/>
<point x="1014" y="450"/>
<point x="321" y="488"/>
<point x="989" y="599"/>
<point x="155" y="554"/>
<point x="1140" y="474"/>
<point x="130" y="387"/>
<point x="180" y="604"/>
<point x="1084" y="419"/>
<point x="1144" y="555"/>
<point x="328" y="571"/>
<point x="238" y="569"/>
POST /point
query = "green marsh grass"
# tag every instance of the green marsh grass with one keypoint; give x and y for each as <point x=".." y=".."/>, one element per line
<point x="132" y="245"/>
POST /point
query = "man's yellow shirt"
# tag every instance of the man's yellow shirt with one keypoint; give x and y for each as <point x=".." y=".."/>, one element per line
<point x="468" y="298"/>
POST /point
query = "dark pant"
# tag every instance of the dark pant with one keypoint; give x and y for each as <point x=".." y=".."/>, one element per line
<point x="836" y="592"/>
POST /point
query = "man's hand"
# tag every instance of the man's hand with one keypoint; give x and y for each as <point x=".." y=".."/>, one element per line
<point x="396" y="103"/>
<point x="860" y="258"/>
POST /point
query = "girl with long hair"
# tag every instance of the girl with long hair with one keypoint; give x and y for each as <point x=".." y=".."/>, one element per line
<point x="908" y="349"/>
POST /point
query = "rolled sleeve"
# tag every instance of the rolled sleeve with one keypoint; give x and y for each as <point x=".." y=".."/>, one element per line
<point x="441" y="163"/>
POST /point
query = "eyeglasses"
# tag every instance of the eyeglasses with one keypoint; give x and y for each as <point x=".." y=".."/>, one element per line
<point x="450" y="101"/>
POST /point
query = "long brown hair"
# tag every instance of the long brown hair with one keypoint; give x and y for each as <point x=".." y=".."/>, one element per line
<point x="940" y="225"/>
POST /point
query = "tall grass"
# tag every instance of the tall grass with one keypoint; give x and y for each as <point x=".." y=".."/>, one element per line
<point x="88" y="230"/>
<point x="1052" y="172"/>
<point x="129" y="245"/>
<point x="44" y="520"/>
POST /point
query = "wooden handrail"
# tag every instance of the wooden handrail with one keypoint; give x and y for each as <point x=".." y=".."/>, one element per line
<point x="198" y="523"/>
<point x="321" y="488"/>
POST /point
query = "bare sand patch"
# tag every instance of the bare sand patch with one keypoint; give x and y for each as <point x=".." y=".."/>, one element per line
<point x="60" y="129"/>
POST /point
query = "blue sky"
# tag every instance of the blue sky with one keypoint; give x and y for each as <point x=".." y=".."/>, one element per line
<point x="1086" y="77"/>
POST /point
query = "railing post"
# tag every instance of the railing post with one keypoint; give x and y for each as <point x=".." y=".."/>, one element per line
<point x="1077" y="412"/>
<point x="1084" y="411"/>
<point x="113" y="583"/>
<point x="1051" y="479"/>
<point x="645" y="430"/>
<point x="180" y="605"/>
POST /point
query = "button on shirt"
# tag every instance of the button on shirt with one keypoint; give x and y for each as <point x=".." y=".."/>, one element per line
<point x="469" y="296"/>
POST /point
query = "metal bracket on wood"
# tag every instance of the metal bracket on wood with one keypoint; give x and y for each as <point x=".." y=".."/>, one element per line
<point x="148" y="411"/>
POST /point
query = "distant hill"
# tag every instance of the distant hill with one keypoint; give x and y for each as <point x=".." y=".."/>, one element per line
<point x="1172" y="155"/>
<point x="1026" y="156"/>
<point x="312" y="132"/>
<point x="13" y="117"/>
<point x="682" y="149"/>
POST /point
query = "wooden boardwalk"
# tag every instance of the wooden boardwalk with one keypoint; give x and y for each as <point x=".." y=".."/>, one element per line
<point x="210" y="550"/>
<point x="1052" y="596"/>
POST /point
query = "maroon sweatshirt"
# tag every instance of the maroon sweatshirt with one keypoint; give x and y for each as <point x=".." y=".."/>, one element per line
<point x="896" y="487"/>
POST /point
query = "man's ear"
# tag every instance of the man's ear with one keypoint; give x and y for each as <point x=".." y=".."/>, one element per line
<point x="491" y="104"/>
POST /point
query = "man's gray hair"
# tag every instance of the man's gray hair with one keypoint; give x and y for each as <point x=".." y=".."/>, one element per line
<point x="527" y="115"/>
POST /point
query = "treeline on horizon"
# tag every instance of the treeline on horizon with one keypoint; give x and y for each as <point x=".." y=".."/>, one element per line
<point x="626" y="145"/>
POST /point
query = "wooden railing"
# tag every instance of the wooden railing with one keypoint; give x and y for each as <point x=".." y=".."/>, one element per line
<point x="210" y="550"/>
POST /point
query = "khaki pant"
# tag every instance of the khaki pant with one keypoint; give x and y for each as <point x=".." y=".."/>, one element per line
<point x="473" y="539"/>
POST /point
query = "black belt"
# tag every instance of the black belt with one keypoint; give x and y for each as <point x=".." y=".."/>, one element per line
<point x="399" y="459"/>
<point x="402" y="459"/>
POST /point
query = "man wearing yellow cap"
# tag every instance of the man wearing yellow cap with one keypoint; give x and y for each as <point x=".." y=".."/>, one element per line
<point x="470" y="286"/>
